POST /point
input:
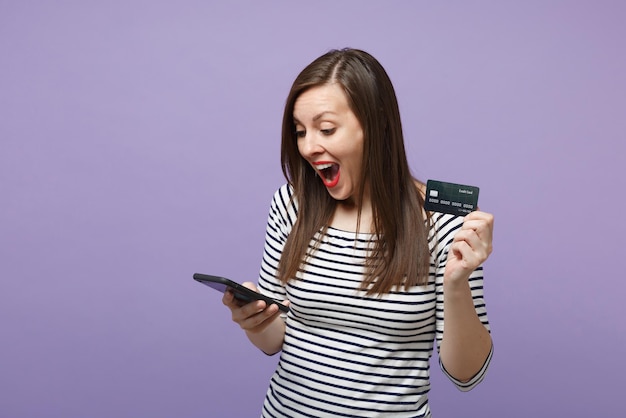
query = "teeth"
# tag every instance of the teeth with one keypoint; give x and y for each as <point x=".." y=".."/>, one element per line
<point x="323" y="166"/>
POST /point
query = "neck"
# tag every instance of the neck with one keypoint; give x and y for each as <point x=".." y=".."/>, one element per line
<point x="346" y="216"/>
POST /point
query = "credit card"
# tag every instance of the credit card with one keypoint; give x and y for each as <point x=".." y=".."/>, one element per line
<point x="452" y="198"/>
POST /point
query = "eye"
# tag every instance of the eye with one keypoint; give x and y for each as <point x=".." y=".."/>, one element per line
<point x="300" y="133"/>
<point x="327" y="132"/>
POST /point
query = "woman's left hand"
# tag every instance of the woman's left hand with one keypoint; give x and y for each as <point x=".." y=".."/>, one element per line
<point x="470" y="247"/>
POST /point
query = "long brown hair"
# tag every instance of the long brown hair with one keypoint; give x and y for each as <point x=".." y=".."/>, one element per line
<point x="400" y="254"/>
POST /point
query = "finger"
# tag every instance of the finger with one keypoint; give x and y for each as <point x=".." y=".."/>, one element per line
<point x="260" y="320"/>
<point x="468" y="235"/>
<point x="250" y="286"/>
<point x="482" y="228"/>
<point x="477" y="244"/>
<point x="478" y="215"/>
<point x="228" y="298"/>
<point x="481" y="222"/>
<point x="465" y="255"/>
<point x="248" y="310"/>
<point x="262" y="325"/>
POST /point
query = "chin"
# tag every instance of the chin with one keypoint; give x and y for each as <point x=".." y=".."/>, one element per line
<point x="338" y="196"/>
<point x="341" y="196"/>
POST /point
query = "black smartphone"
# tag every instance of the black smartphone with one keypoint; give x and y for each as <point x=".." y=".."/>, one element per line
<point x="242" y="293"/>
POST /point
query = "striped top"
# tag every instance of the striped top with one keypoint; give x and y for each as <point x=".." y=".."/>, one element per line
<point x="346" y="353"/>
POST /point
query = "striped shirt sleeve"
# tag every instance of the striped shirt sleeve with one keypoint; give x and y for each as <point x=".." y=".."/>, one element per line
<point x="446" y="227"/>
<point x="282" y="216"/>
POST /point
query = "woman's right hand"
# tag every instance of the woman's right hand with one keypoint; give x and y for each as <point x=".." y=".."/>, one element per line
<point x="253" y="317"/>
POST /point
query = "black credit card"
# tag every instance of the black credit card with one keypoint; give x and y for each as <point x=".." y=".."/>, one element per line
<point x="452" y="198"/>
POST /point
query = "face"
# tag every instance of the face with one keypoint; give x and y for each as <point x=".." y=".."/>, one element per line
<point x="330" y="138"/>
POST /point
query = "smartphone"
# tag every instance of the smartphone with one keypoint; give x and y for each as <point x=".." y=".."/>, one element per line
<point x="242" y="293"/>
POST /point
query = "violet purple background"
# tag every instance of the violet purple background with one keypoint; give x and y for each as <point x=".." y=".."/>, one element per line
<point x="139" y="143"/>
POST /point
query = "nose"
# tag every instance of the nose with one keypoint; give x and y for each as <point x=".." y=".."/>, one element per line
<point x="309" y="145"/>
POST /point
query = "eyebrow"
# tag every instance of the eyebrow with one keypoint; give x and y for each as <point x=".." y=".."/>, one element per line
<point x="318" y="116"/>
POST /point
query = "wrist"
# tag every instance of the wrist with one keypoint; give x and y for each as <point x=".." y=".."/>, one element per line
<point x="451" y="286"/>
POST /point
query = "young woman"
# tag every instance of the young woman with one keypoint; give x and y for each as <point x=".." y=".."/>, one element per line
<point x="371" y="278"/>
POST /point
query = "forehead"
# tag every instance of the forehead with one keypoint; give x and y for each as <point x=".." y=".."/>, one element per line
<point x="321" y="99"/>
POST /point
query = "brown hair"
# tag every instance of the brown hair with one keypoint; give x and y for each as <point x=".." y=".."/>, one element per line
<point x="400" y="254"/>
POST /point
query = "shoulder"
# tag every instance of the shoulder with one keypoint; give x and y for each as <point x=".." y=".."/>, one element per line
<point x="443" y="227"/>
<point x="284" y="197"/>
<point x="284" y="206"/>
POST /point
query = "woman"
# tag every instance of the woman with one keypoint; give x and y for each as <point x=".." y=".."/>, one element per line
<point x="372" y="280"/>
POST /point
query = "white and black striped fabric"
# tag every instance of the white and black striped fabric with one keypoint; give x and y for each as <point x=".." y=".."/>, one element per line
<point x="346" y="354"/>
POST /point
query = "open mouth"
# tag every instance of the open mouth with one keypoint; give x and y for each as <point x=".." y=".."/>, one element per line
<point x="329" y="173"/>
